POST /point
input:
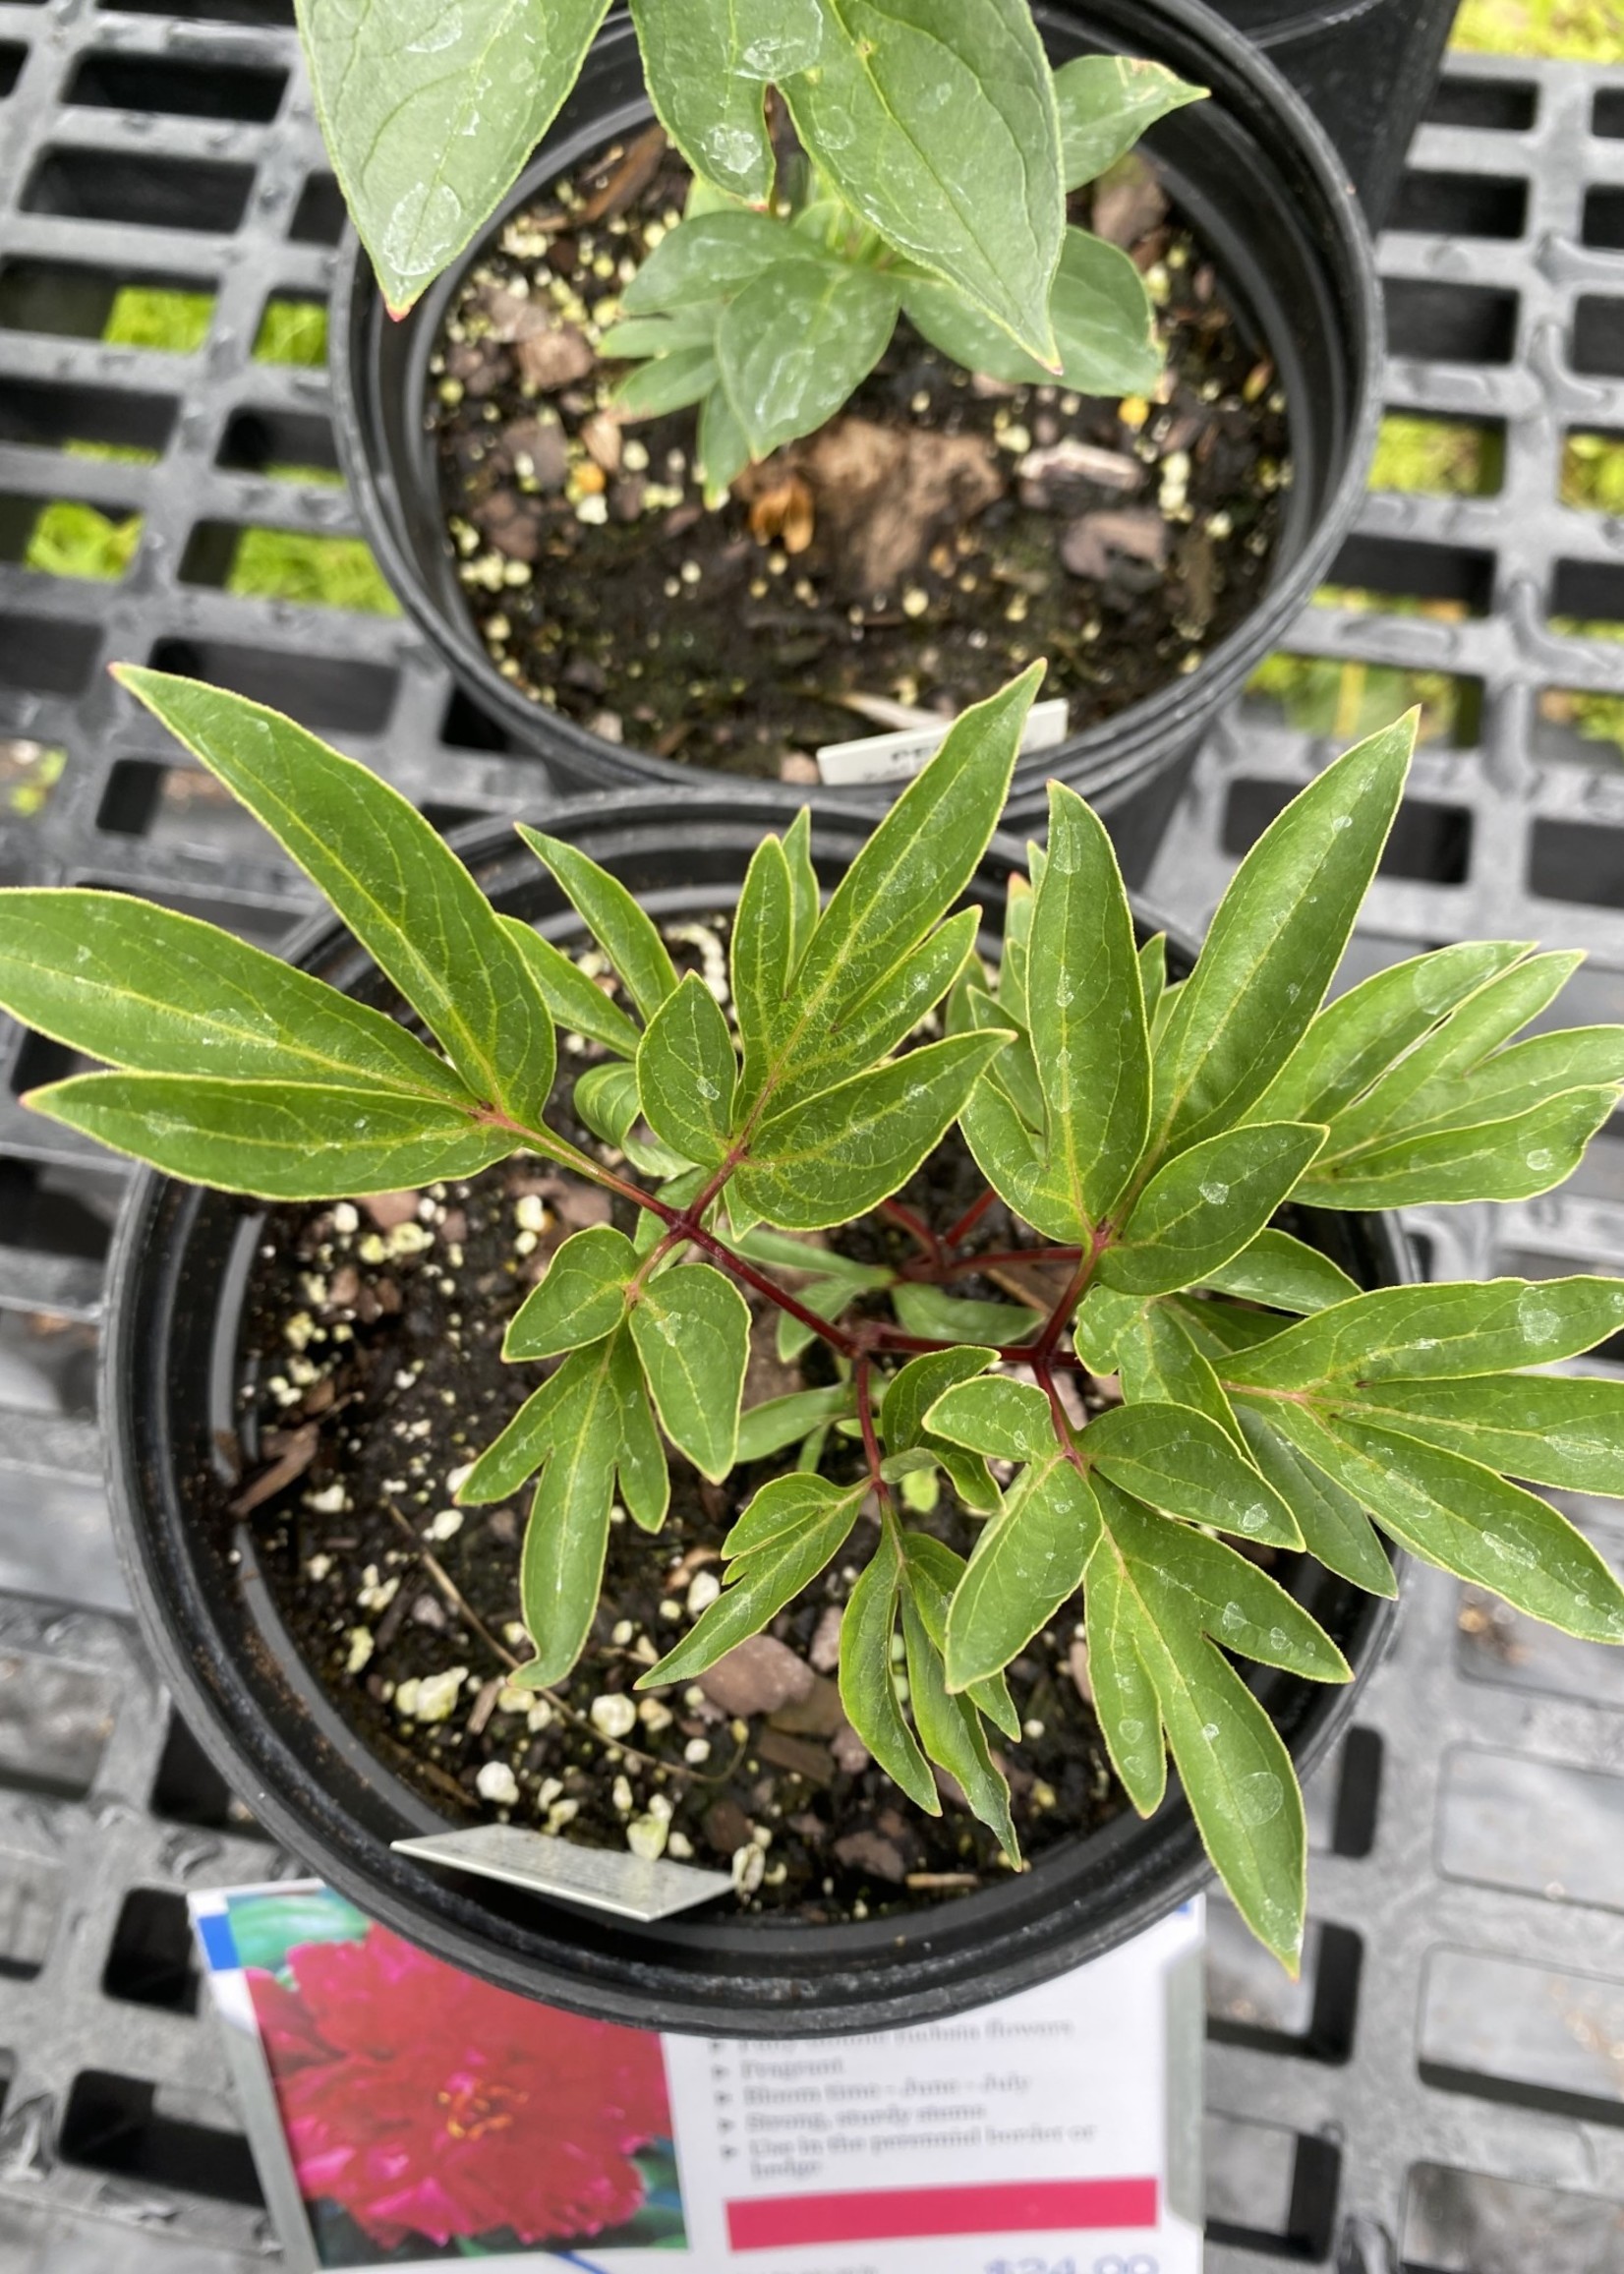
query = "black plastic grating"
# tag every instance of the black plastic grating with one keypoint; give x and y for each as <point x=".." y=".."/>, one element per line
<point x="1356" y="2117"/>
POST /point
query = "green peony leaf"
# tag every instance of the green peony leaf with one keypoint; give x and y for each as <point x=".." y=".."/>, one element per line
<point x="1335" y="1528"/>
<point x="707" y="258"/>
<point x="934" y="1572"/>
<point x="692" y="1332"/>
<point x="1283" y="1272"/>
<point x="950" y="1731"/>
<point x="1106" y="102"/>
<point x="760" y="951"/>
<point x="1159" y="1363"/>
<point x="668" y="382"/>
<point x="576" y="1002"/>
<point x="581" y="1298"/>
<point x="1008" y="1421"/>
<point x="883" y="1019"/>
<point x="779" y="1422"/>
<point x="1088" y="1014"/>
<point x="936" y="121"/>
<point x="403" y="892"/>
<point x="1125" y="1701"/>
<point x="626" y="934"/>
<point x="797" y="342"/>
<point x="1275" y="942"/>
<point x="1104" y="320"/>
<point x="931" y="1311"/>
<point x="1027" y="1559"/>
<point x="1460" y="1515"/>
<point x="155" y="992"/>
<point x="1182" y="1462"/>
<point x="686" y="1074"/>
<point x="791" y="1529"/>
<point x="1499" y="1160"/>
<point x="1437" y="1332"/>
<point x="282" y="1141"/>
<point x="705" y="68"/>
<point x="429" y="112"/>
<point x="1355" y="1038"/>
<point x="867" y="1691"/>
<point x="561" y="1565"/>
<point x="843" y="1152"/>
<point x="1206" y="1204"/>
<point x="1561" y="1430"/>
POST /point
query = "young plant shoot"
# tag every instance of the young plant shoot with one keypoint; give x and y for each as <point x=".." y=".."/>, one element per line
<point x="853" y="160"/>
<point x="1197" y="1382"/>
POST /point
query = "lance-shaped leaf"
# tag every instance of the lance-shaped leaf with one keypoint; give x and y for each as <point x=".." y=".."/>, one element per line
<point x="1104" y="320"/>
<point x="890" y="1012"/>
<point x="514" y="1458"/>
<point x="1239" y="1782"/>
<point x="1196" y="1583"/>
<point x="429" y="112"/>
<point x="691" y="326"/>
<point x="1015" y="1163"/>
<point x="974" y="1010"/>
<point x="1276" y="940"/>
<point x="705" y="67"/>
<point x="760" y="951"/>
<point x="951" y="1733"/>
<point x="159" y="993"/>
<point x="640" y="1465"/>
<point x="910" y="873"/>
<point x="282" y="1141"/>
<point x="1355" y="1038"/>
<point x="1454" y="1327"/>
<point x="1027" y="1559"/>
<point x="903" y="1426"/>
<point x="1427" y="1080"/>
<point x="867" y="1691"/>
<point x="1219" y="1328"/>
<point x="1125" y="1701"/>
<point x="692" y="1332"/>
<point x="1499" y="1160"/>
<point x="577" y="1003"/>
<point x="1552" y="1429"/>
<point x="806" y="899"/>
<point x="791" y="1529"/>
<point x="625" y="932"/>
<point x="581" y="1298"/>
<point x="1160" y="1362"/>
<point x="1184" y="1463"/>
<point x="779" y="1422"/>
<point x="1086" y="1012"/>
<point x="1103" y="1319"/>
<point x="798" y="343"/>
<point x="1206" y="1204"/>
<point x="1335" y="1529"/>
<point x="400" y="889"/>
<point x="686" y="1073"/>
<point x="561" y="1565"/>
<point x="936" y="121"/>
<point x="925" y="1309"/>
<point x="1008" y="1421"/>
<point x="1153" y="977"/>
<point x="707" y="258"/>
<point x="1106" y="102"/>
<point x="608" y="1101"/>
<point x="843" y="1152"/>
<point x="934" y="1572"/>
<point x="1285" y="1274"/>
<point x="1460" y="1515"/>
<point x="668" y="382"/>
<point x="724" y="446"/>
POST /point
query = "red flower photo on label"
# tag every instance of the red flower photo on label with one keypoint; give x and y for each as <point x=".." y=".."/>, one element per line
<point x="424" y="2106"/>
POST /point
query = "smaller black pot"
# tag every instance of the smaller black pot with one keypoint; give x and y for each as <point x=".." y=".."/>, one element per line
<point x="178" y="1278"/>
<point x="1255" y="173"/>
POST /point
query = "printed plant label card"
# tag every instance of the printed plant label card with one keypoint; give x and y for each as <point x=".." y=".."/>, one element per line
<point x="403" y="2113"/>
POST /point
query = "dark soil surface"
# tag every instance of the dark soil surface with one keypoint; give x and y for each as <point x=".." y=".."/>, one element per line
<point x="907" y="561"/>
<point x="371" y="1374"/>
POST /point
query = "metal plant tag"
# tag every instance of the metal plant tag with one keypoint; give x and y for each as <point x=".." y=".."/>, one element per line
<point x="632" y="1886"/>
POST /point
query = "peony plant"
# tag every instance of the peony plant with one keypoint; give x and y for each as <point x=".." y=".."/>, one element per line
<point x="1195" y="1373"/>
<point x="931" y="137"/>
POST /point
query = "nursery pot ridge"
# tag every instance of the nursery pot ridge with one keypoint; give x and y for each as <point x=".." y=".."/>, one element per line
<point x="1254" y="174"/>
<point x="179" y="1279"/>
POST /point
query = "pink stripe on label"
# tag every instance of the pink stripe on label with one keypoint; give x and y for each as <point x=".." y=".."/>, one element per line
<point x="902" y="2214"/>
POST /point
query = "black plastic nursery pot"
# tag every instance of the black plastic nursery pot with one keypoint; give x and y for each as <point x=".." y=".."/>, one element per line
<point x="178" y="1281"/>
<point x="1250" y="170"/>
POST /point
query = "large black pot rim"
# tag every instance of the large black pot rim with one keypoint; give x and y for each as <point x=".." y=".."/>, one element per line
<point x="1256" y="141"/>
<point x="283" y="1748"/>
